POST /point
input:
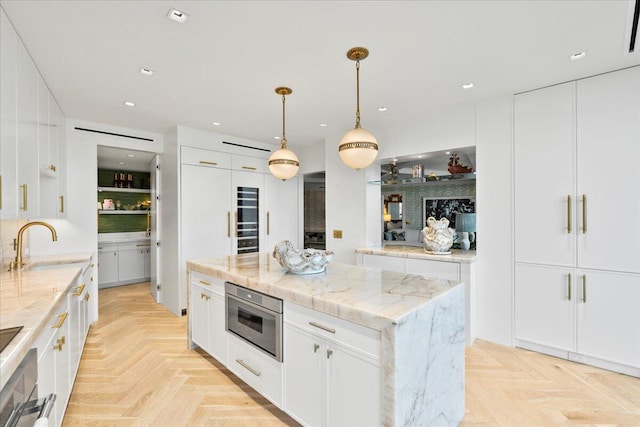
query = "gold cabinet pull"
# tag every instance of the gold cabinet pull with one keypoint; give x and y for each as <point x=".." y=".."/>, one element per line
<point x="79" y="290"/>
<point x="584" y="214"/>
<point x="61" y="318"/>
<point x="86" y="297"/>
<point x="58" y="346"/>
<point x="61" y="204"/>
<point x="568" y="213"/>
<point x="324" y="328"/>
<point x="584" y="288"/>
<point x="235" y="214"/>
<point x="251" y="168"/>
<point x="248" y="368"/>
<point x="268" y="222"/>
<point x="229" y="224"/>
<point x="24" y="197"/>
<point x="204" y="283"/>
<point x="569" y="286"/>
<point x="204" y="162"/>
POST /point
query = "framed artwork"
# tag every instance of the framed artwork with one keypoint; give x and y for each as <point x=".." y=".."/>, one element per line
<point x="445" y="207"/>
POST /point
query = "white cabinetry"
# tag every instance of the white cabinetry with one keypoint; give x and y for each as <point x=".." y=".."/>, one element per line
<point x="577" y="131"/>
<point x="8" y="121"/>
<point x="107" y="263"/>
<point x="282" y="209"/>
<point x="207" y="315"/>
<point x="123" y="263"/>
<point x="130" y="262"/>
<point x="331" y="370"/>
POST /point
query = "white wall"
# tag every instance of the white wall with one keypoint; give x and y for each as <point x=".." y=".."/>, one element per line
<point x="312" y="157"/>
<point x="494" y="195"/>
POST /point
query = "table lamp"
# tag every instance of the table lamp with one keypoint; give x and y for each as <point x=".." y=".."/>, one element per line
<point x="465" y="223"/>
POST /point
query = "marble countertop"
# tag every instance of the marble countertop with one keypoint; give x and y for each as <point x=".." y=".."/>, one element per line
<point x="457" y="255"/>
<point x="367" y="296"/>
<point x="128" y="237"/>
<point x="28" y="298"/>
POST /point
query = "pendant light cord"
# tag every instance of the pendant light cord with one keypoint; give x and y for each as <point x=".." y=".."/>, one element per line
<point x="358" y="94"/>
<point x="284" y="137"/>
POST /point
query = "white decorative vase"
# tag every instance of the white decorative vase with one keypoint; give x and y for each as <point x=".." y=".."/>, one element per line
<point x="438" y="237"/>
<point x="305" y="261"/>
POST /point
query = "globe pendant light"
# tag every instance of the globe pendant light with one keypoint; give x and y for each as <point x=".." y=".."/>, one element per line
<point x="358" y="147"/>
<point x="283" y="163"/>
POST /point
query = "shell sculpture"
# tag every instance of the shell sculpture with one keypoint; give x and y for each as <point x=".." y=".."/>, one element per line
<point x="305" y="261"/>
<point x="438" y="237"/>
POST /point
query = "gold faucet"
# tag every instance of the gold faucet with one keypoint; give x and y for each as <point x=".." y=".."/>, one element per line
<point x="18" y="263"/>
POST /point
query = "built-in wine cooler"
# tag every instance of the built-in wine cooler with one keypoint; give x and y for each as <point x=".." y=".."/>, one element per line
<point x="247" y="220"/>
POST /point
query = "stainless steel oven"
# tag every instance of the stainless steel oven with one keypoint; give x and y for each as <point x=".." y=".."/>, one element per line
<point x="19" y="403"/>
<point x="255" y="318"/>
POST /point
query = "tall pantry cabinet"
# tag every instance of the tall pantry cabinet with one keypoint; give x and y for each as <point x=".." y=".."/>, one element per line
<point x="577" y="204"/>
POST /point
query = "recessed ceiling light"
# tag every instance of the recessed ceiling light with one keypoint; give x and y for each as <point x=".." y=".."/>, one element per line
<point x="129" y="104"/>
<point x="177" y="15"/>
<point x="448" y="152"/>
<point x="146" y="71"/>
<point x="276" y="137"/>
<point x="578" y="55"/>
<point x="216" y="123"/>
<point x="323" y="125"/>
<point x="467" y="85"/>
<point x="131" y="155"/>
<point x="121" y="163"/>
<point x="382" y="108"/>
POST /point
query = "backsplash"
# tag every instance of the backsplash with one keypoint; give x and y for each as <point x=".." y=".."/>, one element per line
<point x="412" y="198"/>
<point x="123" y="202"/>
<point x="9" y="231"/>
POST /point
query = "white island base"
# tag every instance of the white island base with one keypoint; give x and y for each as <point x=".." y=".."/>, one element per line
<point x="404" y="335"/>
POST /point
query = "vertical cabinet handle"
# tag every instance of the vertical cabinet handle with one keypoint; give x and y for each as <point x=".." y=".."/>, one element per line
<point x="584" y="214"/>
<point x="584" y="288"/>
<point x="24" y="197"/>
<point x="569" y="286"/>
<point x="329" y="353"/>
<point x="268" y="222"/>
<point x="568" y="213"/>
<point x="235" y="214"/>
<point x="61" y="203"/>
<point x="228" y="224"/>
<point x="316" y="347"/>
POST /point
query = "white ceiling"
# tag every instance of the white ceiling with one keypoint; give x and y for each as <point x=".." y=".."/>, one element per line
<point x="224" y="63"/>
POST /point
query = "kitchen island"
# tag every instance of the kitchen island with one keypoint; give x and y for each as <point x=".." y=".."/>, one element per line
<point x="419" y="322"/>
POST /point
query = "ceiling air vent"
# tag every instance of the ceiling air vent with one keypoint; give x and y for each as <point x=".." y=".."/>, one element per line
<point x="632" y="27"/>
<point x="121" y="135"/>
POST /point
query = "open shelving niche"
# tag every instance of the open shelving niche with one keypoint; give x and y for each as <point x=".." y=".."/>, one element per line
<point x="122" y="211"/>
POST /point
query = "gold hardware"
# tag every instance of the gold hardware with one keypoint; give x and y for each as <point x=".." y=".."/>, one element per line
<point x="62" y="340"/>
<point x="204" y="283"/>
<point x="249" y="368"/>
<point x="329" y="353"/>
<point x="324" y="328"/>
<point x="93" y="264"/>
<point x="91" y="278"/>
<point x="18" y="263"/>
<point x="569" y="286"/>
<point x="268" y="223"/>
<point x="203" y="162"/>
<point x="584" y="214"/>
<point x="569" y="214"/>
<point x="316" y="347"/>
<point x="58" y="347"/>
<point x="228" y="224"/>
<point x="86" y="297"/>
<point x="61" y="203"/>
<point x="24" y="196"/>
<point x="79" y="290"/>
<point x="61" y="318"/>
<point x="143" y="244"/>
<point x="235" y="214"/>
<point x="251" y="168"/>
<point x="148" y="230"/>
<point x="584" y="288"/>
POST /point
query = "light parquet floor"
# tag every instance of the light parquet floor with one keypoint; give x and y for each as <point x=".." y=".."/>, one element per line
<point x="136" y="370"/>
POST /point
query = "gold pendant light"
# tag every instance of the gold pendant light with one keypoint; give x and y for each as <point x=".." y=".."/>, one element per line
<point x="358" y="147"/>
<point x="283" y="163"/>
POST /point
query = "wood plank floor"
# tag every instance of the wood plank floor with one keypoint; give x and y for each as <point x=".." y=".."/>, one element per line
<point x="136" y="370"/>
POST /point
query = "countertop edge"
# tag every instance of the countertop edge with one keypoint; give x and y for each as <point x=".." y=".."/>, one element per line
<point x="457" y="255"/>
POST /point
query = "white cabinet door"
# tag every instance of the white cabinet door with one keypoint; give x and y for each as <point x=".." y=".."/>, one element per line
<point x="8" y="123"/>
<point x="385" y="263"/>
<point x="437" y="269"/>
<point x="609" y="316"/>
<point x="47" y="366"/>
<point x="199" y="317"/>
<point x="608" y="108"/>
<point x="47" y="152"/>
<point x="281" y="206"/>
<point x="304" y="376"/>
<point x="62" y="365"/>
<point x="545" y="175"/>
<point x="108" y="264"/>
<point x="130" y="262"/>
<point x="75" y="339"/>
<point x="217" y="332"/>
<point x="27" y="135"/>
<point x="146" y="257"/>
<point x="353" y="388"/>
<point x="545" y="309"/>
<point x="62" y="164"/>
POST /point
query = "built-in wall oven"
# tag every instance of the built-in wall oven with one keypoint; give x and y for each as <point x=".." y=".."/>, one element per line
<point x="19" y="403"/>
<point x="254" y="317"/>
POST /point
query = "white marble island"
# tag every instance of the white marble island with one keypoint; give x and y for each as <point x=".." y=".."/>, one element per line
<point x="419" y="321"/>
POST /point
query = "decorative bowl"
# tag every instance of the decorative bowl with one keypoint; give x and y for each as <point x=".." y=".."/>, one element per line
<point x="305" y="261"/>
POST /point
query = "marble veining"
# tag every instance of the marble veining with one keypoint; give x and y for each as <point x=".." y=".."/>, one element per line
<point x="421" y="324"/>
<point x="457" y="255"/>
<point x="29" y="298"/>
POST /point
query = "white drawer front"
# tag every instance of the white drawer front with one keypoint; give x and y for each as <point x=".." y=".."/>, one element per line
<point x="248" y="164"/>
<point x="207" y="158"/>
<point x="436" y="269"/>
<point x="260" y="371"/>
<point x="344" y="332"/>
<point x="206" y="282"/>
